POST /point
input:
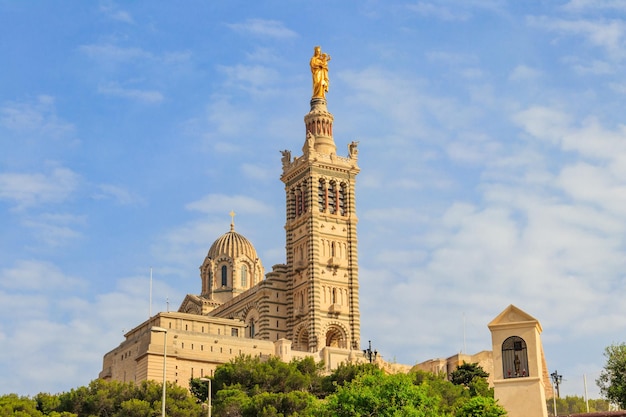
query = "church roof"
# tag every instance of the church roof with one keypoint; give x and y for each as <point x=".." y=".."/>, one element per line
<point x="232" y="245"/>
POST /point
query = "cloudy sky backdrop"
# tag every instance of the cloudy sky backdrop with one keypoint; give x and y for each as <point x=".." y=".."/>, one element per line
<point x="492" y="149"/>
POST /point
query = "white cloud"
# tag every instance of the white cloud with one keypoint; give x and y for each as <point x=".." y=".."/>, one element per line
<point x="256" y="76"/>
<point x="222" y="120"/>
<point x="116" y="193"/>
<point x="438" y="11"/>
<point x="263" y="28"/>
<point x="55" y="230"/>
<point x="524" y="73"/>
<point x="75" y="330"/>
<point x="26" y="190"/>
<point x="543" y="123"/>
<point x="591" y="5"/>
<point x="111" y="53"/>
<point x="33" y="275"/>
<point x="593" y="67"/>
<point x="257" y="172"/>
<point x="112" y="11"/>
<point x="37" y="117"/>
<point x="606" y="34"/>
<point x="145" y="96"/>
<point x="220" y="203"/>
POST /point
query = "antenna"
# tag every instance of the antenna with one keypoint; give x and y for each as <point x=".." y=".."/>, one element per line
<point x="464" y="345"/>
<point x="167" y="302"/>
<point x="150" y="310"/>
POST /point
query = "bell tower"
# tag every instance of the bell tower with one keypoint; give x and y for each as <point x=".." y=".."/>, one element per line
<point x="321" y="239"/>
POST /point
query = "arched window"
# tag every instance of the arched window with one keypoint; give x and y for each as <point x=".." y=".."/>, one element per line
<point x="244" y="276"/>
<point x="514" y="358"/>
<point x="224" y="276"/>
<point x="252" y="328"/>
<point x="298" y="203"/>
<point x="342" y="198"/>
<point x="292" y="204"/>
<point x="304" y="198"/>
<point x="322" y="196"/>
<point x="332" y="197"/>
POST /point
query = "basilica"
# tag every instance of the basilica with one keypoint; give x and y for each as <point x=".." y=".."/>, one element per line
<point x="308" y="306"/>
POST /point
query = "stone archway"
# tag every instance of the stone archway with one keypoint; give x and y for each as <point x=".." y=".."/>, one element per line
<point x="301" y="340"/>
<point x="336" y="337"/>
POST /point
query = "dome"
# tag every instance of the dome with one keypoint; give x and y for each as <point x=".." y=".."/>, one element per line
<point x="232" y="245"/>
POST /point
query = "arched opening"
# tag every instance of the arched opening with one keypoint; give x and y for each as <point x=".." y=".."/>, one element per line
<point x="244" y="276"/>
<point x="514" y="358"/>
<point x="332" y="197"/>
<point x="322" y="196"/>
<point x="224" y="276"/>
<point x="301" y="341"/>
<point x="335" y="338"/>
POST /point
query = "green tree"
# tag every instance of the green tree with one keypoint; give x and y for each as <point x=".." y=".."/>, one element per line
<point x="381" y="395"/>
<point x="448" y="394"/>
<point x="573" y="404"/>
<point x="230" y="402"/>
<point x="480" y="407"/>
<point x="466" y="372"/>
<point x="344" y="373"/>
<point x="135" y="408"/>
<point x="295" y="403"/>
<point x="116" y="399"/>
<point x="612" y="380"/>
<point x="14" y="405"/>
<point x="199" y="389"/>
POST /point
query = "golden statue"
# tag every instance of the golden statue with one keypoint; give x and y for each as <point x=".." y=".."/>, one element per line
<point x="319" y="70"/>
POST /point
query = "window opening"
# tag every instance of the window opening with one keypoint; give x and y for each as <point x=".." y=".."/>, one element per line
<point x="244" y="276"/>
<point x="514" y="358"/>
<point x="224" y="276"/>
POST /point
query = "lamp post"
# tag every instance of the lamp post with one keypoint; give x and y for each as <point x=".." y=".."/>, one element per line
<point x="556" y="379"/>
<point x="369" y="354"/>
<point x="208" y="395"/>
<point x="164" y="331"/>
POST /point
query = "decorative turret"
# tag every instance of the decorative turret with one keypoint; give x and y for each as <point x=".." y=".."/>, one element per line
<point x="319" y="129"/>
<point x="231" y="266"/>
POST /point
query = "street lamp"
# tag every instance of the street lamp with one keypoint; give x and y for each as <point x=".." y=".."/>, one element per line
<point x="164" y="331"/>
<point x="369" y="354"/>
<point x="556" y="379"/>
<point x="208" y="395"/>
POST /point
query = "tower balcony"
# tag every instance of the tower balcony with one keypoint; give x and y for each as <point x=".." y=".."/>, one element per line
<point x="334" y="262"/>
<point x="300" y="265"/>
<point x="335" y="308"/>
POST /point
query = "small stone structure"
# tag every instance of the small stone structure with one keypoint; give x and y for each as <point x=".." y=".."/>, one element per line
<point x="520" y="373"/>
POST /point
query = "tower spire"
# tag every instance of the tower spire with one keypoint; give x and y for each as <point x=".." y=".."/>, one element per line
<point x="319" y="121"/>
<point x="232" y="221"/>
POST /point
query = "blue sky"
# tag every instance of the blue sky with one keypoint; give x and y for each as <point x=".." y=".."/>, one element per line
<point x="492" y="150"/>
